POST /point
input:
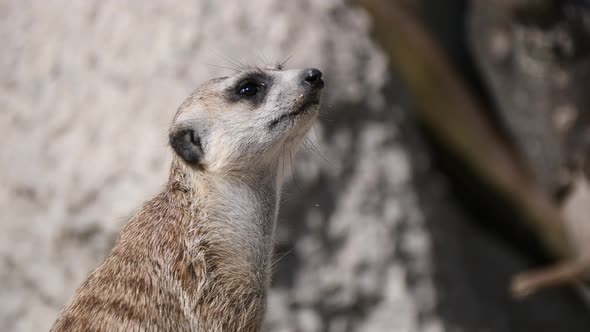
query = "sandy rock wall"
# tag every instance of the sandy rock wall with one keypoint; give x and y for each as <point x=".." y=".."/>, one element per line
<point x="87" y="90"/>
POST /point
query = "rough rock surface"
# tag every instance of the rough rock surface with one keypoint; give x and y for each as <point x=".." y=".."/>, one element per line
<point x="87" y="90"/>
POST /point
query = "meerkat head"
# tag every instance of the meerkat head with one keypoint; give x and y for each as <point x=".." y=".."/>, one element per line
<point x="246" y="119"/>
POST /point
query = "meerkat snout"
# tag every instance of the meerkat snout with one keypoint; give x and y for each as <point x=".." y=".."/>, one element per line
<point x="313" y="77"/>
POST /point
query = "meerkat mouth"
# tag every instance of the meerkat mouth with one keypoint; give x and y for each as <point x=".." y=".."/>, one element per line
<point x="298" y="111"/>
<point x="303" y="108"/>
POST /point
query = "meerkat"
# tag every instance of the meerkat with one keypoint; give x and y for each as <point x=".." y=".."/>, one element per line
<point x="197" y="256"/>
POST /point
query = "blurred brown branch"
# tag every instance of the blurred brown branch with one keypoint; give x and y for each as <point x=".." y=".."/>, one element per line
<point x="564" y="273"/>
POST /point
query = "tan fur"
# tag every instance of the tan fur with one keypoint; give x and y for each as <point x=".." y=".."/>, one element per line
<point x="196" y="257"/>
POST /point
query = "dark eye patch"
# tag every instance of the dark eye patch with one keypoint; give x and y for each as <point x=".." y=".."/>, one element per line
<point x="252" y="87"/>
<point x="248" y="88"/>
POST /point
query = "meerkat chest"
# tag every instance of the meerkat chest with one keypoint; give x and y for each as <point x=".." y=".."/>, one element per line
<point x="231" y="249"/>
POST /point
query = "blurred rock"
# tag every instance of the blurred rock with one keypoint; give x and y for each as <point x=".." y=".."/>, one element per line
<point x="535" y="57"/>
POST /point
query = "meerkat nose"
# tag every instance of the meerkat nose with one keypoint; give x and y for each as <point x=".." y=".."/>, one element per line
<point x="313" y="77"/>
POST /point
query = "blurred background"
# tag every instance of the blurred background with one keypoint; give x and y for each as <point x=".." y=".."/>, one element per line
<point x="450" y="155"/>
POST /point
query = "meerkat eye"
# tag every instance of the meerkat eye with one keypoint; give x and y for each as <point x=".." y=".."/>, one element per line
<point x="248" y="88"/>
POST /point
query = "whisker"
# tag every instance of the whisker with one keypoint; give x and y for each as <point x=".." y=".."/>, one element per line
<point x="276" y="261"/>
<point x="283" y="63"/>
<point x="310" y="146"/>
<point x="266" y="58"/>
<point x="273" y="240"/>
<point x="224" y="67"/>
<point x="315" y="133"/>
<point x="293" y="173"/>
<point x="261" y="58"/>
<point x="239" y="65"/>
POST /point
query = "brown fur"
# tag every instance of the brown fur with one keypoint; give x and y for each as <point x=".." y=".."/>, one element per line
<point x="157" y="279"/>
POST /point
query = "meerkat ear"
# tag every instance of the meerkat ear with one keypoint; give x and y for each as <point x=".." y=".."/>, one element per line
<point x="187" y="144"/>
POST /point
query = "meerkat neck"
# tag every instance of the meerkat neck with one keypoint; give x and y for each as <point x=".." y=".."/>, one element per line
<point x="237" y="214"/>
